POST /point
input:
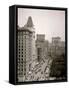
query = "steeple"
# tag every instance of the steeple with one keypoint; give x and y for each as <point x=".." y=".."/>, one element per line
<point x="29" y="25"/>
<point x="29" y="22"/>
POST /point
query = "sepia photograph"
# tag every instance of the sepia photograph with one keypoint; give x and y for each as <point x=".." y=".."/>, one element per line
<point x="40" y="45"/>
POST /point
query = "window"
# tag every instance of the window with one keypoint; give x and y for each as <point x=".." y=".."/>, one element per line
<point x="33" y="36"/>
<point x="29" y="67"/>
<point x="41" y="72"/>
<point x="22" y="58"/>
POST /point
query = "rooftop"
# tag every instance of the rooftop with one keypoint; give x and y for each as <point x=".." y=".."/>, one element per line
<point x="28" y="26"/>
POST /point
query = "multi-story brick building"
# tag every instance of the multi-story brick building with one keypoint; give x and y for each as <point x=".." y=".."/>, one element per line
<point x="57" y="46"/>
<point x="41" y="46"/>
<point x="25" y="49"/>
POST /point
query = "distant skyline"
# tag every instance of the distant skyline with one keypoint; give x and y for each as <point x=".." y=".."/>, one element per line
<point x="48" y="22"/>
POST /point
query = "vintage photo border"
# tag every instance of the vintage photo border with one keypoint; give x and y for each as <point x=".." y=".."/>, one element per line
<point x="15" y="44"/>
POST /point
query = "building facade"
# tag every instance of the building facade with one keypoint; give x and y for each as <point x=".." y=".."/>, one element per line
<point x="57" y="46"/>
<point x="41" y="46"/>
<point x="26" y="50"/>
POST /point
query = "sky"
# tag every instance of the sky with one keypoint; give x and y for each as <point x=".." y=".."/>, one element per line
<point x="48" y="22"/>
